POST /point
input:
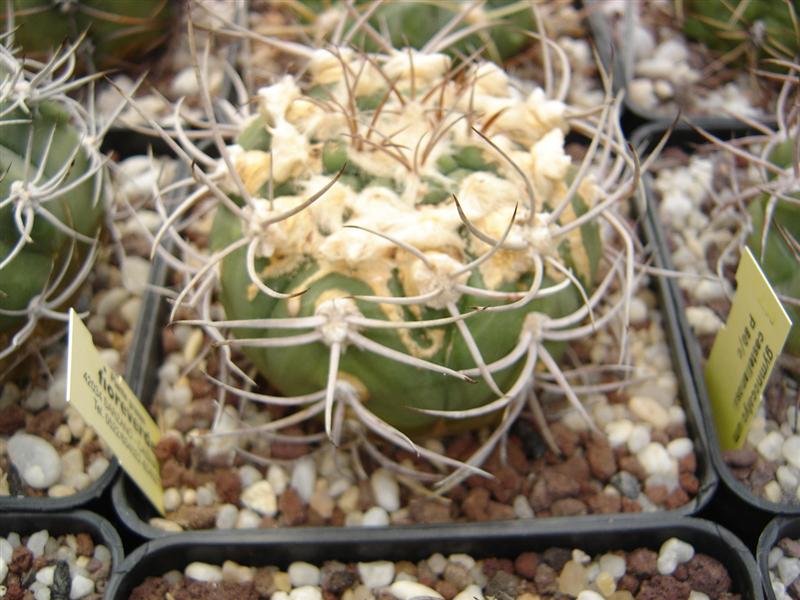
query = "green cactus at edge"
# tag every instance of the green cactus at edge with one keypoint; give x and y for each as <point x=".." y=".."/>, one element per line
<point x="760" y="28"/>
<point x="780" y="260"/>
<point x="51" y="205"/>
<point x="392" y="390"/>
<point x="120" y="31"/>
<point x="414" y="22"/>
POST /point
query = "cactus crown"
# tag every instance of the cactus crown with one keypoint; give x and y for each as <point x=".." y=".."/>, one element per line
<point x="51" y="193"/>
<point x="397" y="241"/>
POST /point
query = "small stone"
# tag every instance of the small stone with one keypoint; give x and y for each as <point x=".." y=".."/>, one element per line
<point x="260" y="498"/>
<point x="680" y="447"/>
<point x="787" y="478"/>
<point x="573" y="578"/>
<point x="613" y="564"/>
<point x="605" y="583"/>
<point x="226" y="517"/>
<point x="35" y="459"/>
<point x="304" y="477"/>
<point x="406" y="590"/>
<point x="375" y="517"/>
<point x="98" y="466"/>
<point x="235" y="572"/>
<point x="36" y="542"/>
<point x="385" y="489"/>
<point x="589" y="595"/>
<point x="655" y="460"/>
<point x="247" y="519"/>
<point x="772" y="492"/>
<point x="437" y="563"/>
<point x="200" y="571"/>
<point x="788" y="570"/>
<point x="135" y="271"/>
<point x="248" y="475"/>
<point x="165" y="525"/>
<point x="638" y="438"/>
<point x="672" y="553"/>
<point x="172" y="499"/>
<point x="306" y="592"/>
<point x="376" y="574"/>
<point x="618" y="432"/>
<point x="303" y="573"/>
<point x="770" y="448"/>
<point x="791" y="450"/>
<point x="649" y="410"/>
<point x="471" y="592"/>
<point x="81" y="586"/>
<point x="3" y="569"/>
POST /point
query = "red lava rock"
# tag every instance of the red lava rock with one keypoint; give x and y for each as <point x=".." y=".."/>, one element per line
<point x="46" y="421"/>
<point x="506" y="484"/>
<point x="291" y="508"/>
<point x="675" y="499"/>
<point x="491" y="566"/>
<point x="628" y="583"/>
<point x="425" y="575"/>
<point x="152" y="588"/>
<point x="85" y="545"/>
<point x="688" y="464"/>
<point x="21" y="560"/>
<point x="663" y="587"/>
<point x="566" y="439"/>
<point x="12" y="418"/>
<point x="526" y="564"/>
<point x="462" y="447"/>
<point x="629" y="505"/>
<point x="642" y="562"/>
<point x="167" y="447"/>
<point x="14" y="591"/>
<point x="516" y="455"/>
<point x="689" y="483"/>
<point x="539" y="499"/>
<point x="568" y="507"/>
<point x="169" y="341"/>
<point x="575" y="467"/>
<point x="337" y="577"/>
<point x="763" y="472"/>
<point x="602" y="462"/>
<point x="742" y="457"/>
<point x="195" y="517"/>
<point x="224" y="590"/>
<point x="446" y="589"/>
<point x="228" y="485"/>
<point x="287" y="451"/>
<point x="708" y="575"/>
<point x="475" y="504"/>
<point x="546" y="579"/>
<point x="457" y="574"/>
<point x="657" y="494"/>
<point x="428" y="510"/>
<point x="604" y="504"/>
<point x="171" y="473"/>
<point x="497" y="511"/>
<point x="632" y="465"/>
<point x="560" y="485"/>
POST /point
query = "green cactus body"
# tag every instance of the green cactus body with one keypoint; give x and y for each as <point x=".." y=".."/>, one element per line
<point x="120" y="31"/>
<point x="778" y="259"/>
<point x="314" y="251"/>
<point x="413" y="23"/>
<point x="51" y="184"/>
<point x="762" y="25"/>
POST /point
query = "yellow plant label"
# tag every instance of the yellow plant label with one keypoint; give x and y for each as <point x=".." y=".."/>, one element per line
<point x="744" y="353"/>
<point x="109" y="406"/>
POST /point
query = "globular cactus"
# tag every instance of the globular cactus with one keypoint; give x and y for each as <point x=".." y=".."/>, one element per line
<point x="744" y="29"/>
<point x="51" y="194"/>
<point x="406" y="243"/>
<point x="119" y="32"/>
<point x="458" y="28"/>
<point x="775" y="234"/>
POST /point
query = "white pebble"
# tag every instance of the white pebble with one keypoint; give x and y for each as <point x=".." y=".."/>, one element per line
<point x="522" y="508"/>
<point x="37" y="541"/>
<point x="44" y="575"/>
<point x="375" y="517"/>
<point x="385" y="489"/>
<point x="787" y="477"/>
<point x="695" y="595"/>
<point x="680" y="447"/>
<point x="278" y="479"/>
<point x="437" y="563"/>
<point x="81" y="586"/>
<point x="788" y="570"/>
<point x="102" y="553"/>
<point x="613" y="564"/>
<point x="172" y="499"/>
<point x="471" y="592"/>
<point x="618" y="432"/>
<point x="135" y="271"/>
<point x="638" y="311"/>
<point x="76" y="425"/>
<point x="200" y="571"/>
<point x="260" y="498"/>
<point x="303" y="573"/>
<point x="248" y="475"/>
<point x="770" y="448"/>
<point x="42" y="593"/>
<point x="57" y="392"/>
<point x="655" y="460"/>
<point x="649" y="410"/>
<point x="304" y="477"/>
<point x="3" y="569"/>
<point x="589" y="595"/>
<point x="376" y="574"/>
<point x="247" y="519"/>
<point x="306" y="592"/>
<point x="406" y="590"/>
<point x="459" y="558"/>
<point x="6" y="551"/>
<point x="35" y="459"/>
<point x="672" y="553"/>
<point x="226" y="517"/>
<point x="36" y="400"/>
<point x="703" y="320"/>
<point x="791" y="450"/>
<point x="206" y="495"/>
<point x="638" y="438"/>
<point x="62" y="434"/>
<point x="773" y="492"/>
<point x="641" y="93"/>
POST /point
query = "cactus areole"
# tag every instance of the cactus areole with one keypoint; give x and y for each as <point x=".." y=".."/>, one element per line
<point x="438" y="242"/>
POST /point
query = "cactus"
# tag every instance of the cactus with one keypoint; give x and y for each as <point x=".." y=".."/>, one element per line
<point x="775" y="237"/>
<point x="118" y="31"/>
<point x="499" y="25"/>
<point x="51" y="194"/>
<point x="406" y="243"/>
<point x="744" y="29"/>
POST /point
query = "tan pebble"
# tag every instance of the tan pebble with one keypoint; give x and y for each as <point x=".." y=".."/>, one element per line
<point x="165" y="524"/>
<point x="605" y="583"/>
<point x="321" y="500"/>
<point x="621" y="595"/>
<point x="232" y="571"/>
<point x="59" y="491"/>
<point x="406" y="590"/>
<point x="282" y="581"/>
<point x="348" y="501"/>
<point x="527" y="596"/>
<point x="572" y="580"/>
<point x="192" y="346"/>
<point x="63" y="434"/>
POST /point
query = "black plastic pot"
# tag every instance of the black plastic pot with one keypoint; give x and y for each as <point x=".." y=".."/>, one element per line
<point x="61" y="523"/>
<point x="776" y="530"/>
<point x="505" y="540"/>
<point x="759" y="510"/>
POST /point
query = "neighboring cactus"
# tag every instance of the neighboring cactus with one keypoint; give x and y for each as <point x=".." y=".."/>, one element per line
<point x="401" y="231"/>
<point x="118" y="31"/>
<point x="744" y="29"/>
<point x="51" y="194"/>
<point x="497" y="25"/>
<point x="776" y="243"/>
